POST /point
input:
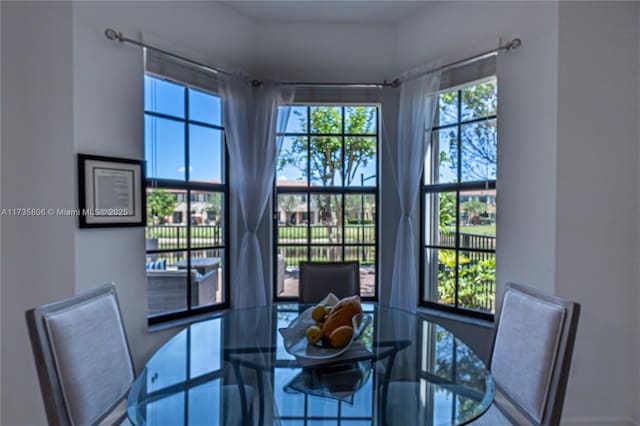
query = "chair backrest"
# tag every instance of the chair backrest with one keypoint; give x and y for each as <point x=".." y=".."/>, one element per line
<point x="317" y="279"/>
<point x="167" y="289"/>
<point x="532" y="350"/>
<point x="82" y="356"/>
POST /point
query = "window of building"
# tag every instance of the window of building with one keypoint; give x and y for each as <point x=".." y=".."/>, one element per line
<point x="186" y="236"/>
<point x="326" y="193"/>
<point x="459" y="202"/>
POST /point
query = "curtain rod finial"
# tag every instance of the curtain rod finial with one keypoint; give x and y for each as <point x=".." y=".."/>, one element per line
<point x="514" y="44"/>
<point x="111" y="34"/>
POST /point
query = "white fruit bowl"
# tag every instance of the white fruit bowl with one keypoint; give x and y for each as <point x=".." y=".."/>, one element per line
<point x="295" y="339"/>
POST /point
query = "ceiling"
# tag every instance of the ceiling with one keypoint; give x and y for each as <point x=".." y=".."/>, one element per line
<point x="376" y="12"/>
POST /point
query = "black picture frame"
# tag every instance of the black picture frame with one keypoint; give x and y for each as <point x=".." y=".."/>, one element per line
<point x="111" y="192"/>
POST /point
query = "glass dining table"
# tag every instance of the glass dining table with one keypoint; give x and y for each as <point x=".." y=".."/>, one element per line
<point x="233" y="369"/>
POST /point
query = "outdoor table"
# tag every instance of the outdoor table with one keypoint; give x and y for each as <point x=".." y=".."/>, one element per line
<point x="233" y="369"/>
<point x="202" y="265"/>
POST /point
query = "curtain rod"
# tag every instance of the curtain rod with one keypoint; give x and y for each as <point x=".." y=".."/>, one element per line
<point x="112" y="34"/>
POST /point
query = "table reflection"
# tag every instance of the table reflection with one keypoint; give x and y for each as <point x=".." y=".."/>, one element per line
<point x="233" y="370"/>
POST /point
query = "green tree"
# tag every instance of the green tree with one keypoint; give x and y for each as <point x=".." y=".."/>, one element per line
<point x="473" y="208"/>
<point x="479" y="152"/>
<point x="447" y="206"/>
<point x="288" y="204"/>
<point x="359" y="209"/>
<point x="213" y="206"/>
<point x="447" y="211"/>
<point x="326" y="151"/>
<point x="479" y="142"/>
<point x="326" y="158"/>
<point x="160" y="204"/>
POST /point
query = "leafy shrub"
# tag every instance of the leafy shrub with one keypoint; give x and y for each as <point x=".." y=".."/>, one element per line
<point x="476" y="281"/>
<point x="358" y="222"/>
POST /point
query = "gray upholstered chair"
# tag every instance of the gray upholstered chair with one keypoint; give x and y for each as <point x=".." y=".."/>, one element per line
<point x="82" y="357"/>
<point x="532" y="349"/>
<point x="317" y="279"/>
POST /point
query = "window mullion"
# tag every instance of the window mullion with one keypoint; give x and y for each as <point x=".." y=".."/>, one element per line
<point x="309" y="230"/>
<point x="457" y="235"/>
<point x="187" y="158"/>
<point x="344" y="183"/>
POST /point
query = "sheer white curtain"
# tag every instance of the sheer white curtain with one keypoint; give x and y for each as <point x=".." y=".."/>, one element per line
<point x="418" y="100"/>
<point x="251" y="121"/>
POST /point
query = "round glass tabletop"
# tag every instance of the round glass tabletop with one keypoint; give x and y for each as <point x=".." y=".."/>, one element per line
<point x="233" y="369"/>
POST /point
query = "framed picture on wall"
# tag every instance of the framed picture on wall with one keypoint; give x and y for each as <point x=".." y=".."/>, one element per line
<point x="111" y="192"/>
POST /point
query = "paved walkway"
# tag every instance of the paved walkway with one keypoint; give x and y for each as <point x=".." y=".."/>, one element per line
<point x="367" y="283"/>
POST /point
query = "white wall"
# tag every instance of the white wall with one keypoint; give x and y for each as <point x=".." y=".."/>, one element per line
<point x="90" y="101"/>
<point x="308" y="51"/>
<point x="636" y="390"/>
<point x="37" y="171"/>
<point x="66" y="90"/>
<point x="527" y="105"/>
<point x="108" y="120"/>
<point x="568" y="136"/>
<point x="358" y="52"/>
<point x="597" y="190"/>
<point x="312" y="51"/>
<point x="0" y="206"/>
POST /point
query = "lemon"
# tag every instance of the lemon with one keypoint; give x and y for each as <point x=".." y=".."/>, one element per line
<point x="314" y="334"/>
<point x="318" y="313"/>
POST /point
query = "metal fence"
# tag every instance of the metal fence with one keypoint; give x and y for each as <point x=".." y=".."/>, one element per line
<point x="175" y="236"/>
<point x="293" y="255"/>
<point x="327" y="234"/>
<point x="475" y="292"/>
<point x="468" y="241"/>
<point x="484" y="284"/>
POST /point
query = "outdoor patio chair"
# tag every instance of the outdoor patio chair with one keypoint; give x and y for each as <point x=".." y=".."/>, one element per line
<point x="82" y="357"/>
<point x="167" y="289"/>
<point x="317" y="279"/>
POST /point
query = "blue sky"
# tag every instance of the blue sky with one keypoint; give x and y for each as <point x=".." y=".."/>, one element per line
<point x="165" y="138"/>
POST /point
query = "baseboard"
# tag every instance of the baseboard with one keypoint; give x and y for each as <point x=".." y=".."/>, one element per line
<point x="595" y="421"/>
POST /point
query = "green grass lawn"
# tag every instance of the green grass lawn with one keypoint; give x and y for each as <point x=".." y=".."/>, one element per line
<point x="479" y="230"/>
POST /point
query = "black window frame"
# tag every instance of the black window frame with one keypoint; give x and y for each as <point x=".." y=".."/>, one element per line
<point x="309" y="190"/>
<point x="188" y="186"/>
<point x="457" y="187"/>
